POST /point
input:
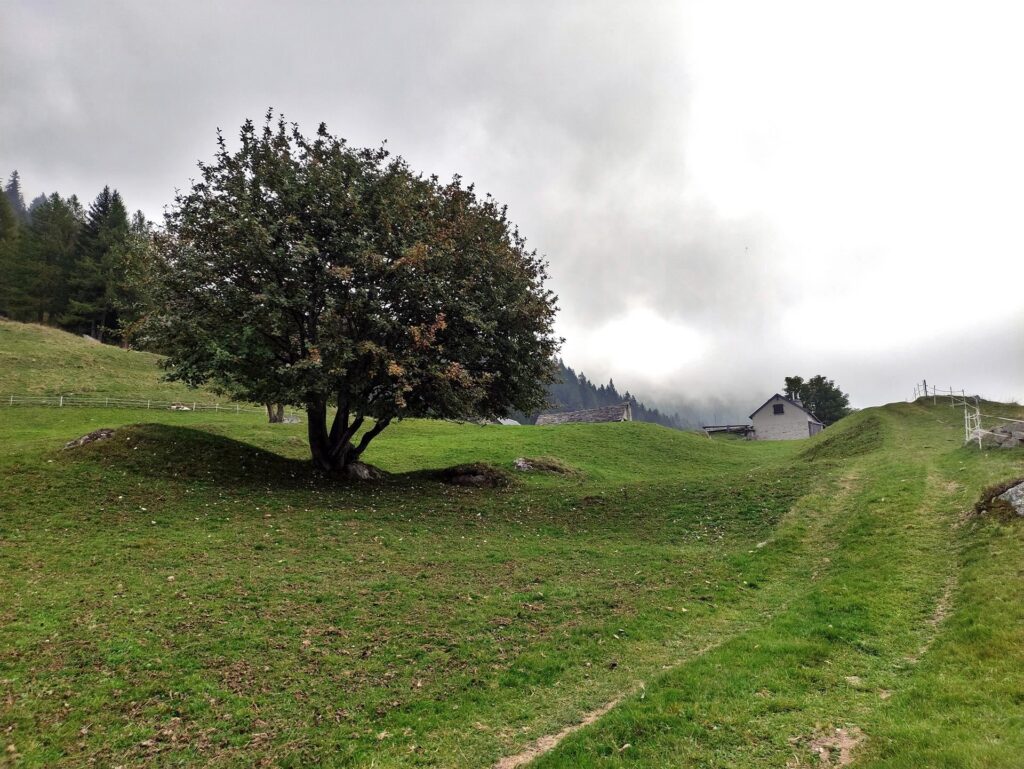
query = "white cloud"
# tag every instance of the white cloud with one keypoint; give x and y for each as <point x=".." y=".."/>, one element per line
<point x="728" y="192"/>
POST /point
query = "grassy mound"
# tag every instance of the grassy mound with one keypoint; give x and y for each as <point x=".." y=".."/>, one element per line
<point x="854" y="436"/>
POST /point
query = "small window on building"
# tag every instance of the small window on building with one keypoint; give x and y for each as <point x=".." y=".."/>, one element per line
<point x="777" y="409"/>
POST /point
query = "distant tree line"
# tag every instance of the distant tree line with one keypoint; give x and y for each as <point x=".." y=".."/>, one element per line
<point x="77" y="268"/>
<point x="574" y="392"/>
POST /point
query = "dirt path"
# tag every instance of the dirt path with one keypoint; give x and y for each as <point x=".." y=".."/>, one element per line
<point x="548" y="742"/>
<point x="845" y="485"/>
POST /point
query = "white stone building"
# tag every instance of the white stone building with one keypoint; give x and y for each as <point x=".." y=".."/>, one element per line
<point x="782" y="419"/>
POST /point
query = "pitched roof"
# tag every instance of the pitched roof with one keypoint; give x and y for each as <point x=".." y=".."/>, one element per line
<point x="791" y="402"/>
<point x="618" y="413"/>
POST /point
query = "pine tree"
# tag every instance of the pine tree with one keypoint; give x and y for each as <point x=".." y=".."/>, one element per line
<point x="572" y="392"/>
<point x="15" y="197"/>
<point x="37" y="201"/>
<point x="137" y="258"/>
<point x="99" y="268"/>
<point x="9" y="244"/>
<point x="45" y="255"/>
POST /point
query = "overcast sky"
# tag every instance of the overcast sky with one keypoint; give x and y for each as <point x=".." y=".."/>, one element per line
<point x="728" y="193"/>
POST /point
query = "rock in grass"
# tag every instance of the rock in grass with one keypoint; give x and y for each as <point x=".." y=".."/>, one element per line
<point x="96" y="435"/>
<point x="1014" y="496"/>
<point x="542" y="465"/>
<point x="360" y="471"/>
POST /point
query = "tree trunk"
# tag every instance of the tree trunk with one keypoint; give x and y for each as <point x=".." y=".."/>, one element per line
<point x="333" y="451"/>
<point x="275" y="412"/>
<point x="319" y="440"/>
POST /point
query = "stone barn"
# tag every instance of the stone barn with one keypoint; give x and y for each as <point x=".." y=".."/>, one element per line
<point x="783" y="419"/>
<point x="618" y="413"/>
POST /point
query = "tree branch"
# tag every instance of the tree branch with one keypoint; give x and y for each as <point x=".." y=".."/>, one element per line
<point x="345" y="437"/>
<point x="369" y="435"/>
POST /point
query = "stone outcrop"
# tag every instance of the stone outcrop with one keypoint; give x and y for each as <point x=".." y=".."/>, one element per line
<point x="1014" y="497"/>
<point x="96" y="435"/>
<point x="1006" y="435"/>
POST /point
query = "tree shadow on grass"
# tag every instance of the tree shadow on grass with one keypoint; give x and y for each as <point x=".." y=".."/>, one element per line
<point x="176" y="453"/>
<point x="173" y="452"/>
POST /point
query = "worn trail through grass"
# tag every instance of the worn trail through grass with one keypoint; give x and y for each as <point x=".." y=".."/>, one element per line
<point x="187" y="593"/>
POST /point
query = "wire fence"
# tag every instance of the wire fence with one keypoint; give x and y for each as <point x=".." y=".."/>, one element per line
<point x="1003" y="431"/>
<point x="76" y="401"/>
<point x="923" y="390"/>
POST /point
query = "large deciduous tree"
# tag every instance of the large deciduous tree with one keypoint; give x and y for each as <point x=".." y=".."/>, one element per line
<point x="820" y="395"/>
<point x="307" y="272"/>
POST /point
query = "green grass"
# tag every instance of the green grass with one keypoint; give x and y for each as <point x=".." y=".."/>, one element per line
<point x="190" y="593"/>
<point x="39" y="360"/>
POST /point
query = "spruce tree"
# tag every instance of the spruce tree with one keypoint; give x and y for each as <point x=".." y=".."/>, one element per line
<point x="9" y="237"/>
<point x="45" y="256"/>
<point x="132" y="289"/>
<point x="99" y="267"/>
<point x="15" y="197"/>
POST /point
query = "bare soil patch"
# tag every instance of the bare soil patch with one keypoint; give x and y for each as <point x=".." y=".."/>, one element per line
<point x="942" y="609"/>
<point x="477" y="474"/>
<point x="831" y="748"/>
<point x="547" y="743"/>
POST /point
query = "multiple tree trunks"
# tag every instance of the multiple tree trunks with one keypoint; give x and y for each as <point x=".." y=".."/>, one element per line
<point x="333" y="450"/>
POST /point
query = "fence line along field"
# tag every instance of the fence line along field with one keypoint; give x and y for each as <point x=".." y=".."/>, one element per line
<point x="189" y="592"/>
<point x="61" y="401"/>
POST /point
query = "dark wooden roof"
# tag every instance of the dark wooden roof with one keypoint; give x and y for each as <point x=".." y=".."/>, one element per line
<point x="618" y="413"/>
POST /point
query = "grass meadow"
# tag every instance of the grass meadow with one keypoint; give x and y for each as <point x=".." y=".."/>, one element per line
<point x="190" y="593"/>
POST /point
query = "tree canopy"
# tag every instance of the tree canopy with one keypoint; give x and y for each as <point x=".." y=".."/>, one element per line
<point x="820" y="395"/>
<point x="304" y="271"/>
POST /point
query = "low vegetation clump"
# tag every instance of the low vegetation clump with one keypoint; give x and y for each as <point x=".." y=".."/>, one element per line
<point x="990" y="502"/>
<point x="475" y="474"/>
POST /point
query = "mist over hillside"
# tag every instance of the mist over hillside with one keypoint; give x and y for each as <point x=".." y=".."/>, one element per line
<point x="573" y="391"/>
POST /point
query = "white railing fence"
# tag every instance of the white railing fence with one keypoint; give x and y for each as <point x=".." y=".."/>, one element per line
<point x="924" y="390"/>
<point x="974" y="419"/>
<point x="67" y="401"/>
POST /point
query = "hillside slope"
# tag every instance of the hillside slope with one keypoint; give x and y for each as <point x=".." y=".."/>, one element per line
<point x="904" y="649"/>
<point x="40" y="360"/>
<point x="189" y="593"/>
